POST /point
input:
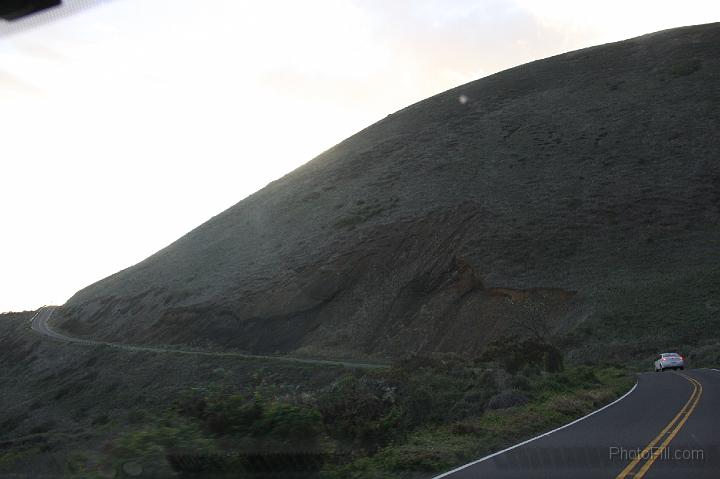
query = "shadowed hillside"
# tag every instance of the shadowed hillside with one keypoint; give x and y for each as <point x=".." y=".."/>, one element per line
<point x="582" y="191"/>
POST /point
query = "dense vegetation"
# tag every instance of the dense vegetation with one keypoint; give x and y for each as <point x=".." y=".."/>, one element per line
<point x="421" y="416"/>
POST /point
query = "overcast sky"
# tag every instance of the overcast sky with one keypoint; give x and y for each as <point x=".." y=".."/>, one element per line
<point x="127" y="125"/>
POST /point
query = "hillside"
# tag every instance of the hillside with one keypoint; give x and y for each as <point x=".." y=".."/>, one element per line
<point x="582" y="190"/>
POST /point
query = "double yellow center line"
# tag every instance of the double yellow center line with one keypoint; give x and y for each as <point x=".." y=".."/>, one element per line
<point x="640" y="465"/>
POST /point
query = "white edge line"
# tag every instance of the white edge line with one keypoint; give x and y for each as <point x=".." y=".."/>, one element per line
<point x="710" y="369"/>
<point x="537" y="437"/>
<point x="38" y="312"/>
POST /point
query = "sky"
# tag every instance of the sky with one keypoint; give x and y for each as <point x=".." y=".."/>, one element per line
<point x="128" y="124"/>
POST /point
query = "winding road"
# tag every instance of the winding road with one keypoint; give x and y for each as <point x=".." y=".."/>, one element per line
<point x="39" y="325"/>
<point x="667" y="426"/>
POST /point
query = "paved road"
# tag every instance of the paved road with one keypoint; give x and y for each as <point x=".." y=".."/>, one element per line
<point x="40" y="325"/>
<point x="677" y="413"/>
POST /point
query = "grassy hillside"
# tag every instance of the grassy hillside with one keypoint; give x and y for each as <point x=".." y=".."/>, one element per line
<point x="583" y="189"/>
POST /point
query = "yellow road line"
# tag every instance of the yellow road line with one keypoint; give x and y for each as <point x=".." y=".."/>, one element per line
<point x="648" y="453"/>
<point x="647" y="448"/>
<point x="670" y="437"/>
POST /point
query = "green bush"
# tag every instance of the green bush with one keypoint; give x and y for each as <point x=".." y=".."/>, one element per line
<point x="373" y="410"/>
<point x="361" y="411"/>
<point x="234" y="414"/>
<point x="422" y="415"/>
<point x="287" y="422"/>
<point x="157" y="447"/>
<point x="514" y="355"/>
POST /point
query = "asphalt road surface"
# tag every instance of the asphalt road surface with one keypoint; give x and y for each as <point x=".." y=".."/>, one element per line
<point x="40" y="325"/>
<point x="667" y="427"/>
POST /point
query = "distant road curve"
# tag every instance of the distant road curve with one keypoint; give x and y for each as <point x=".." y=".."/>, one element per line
<point x="39" y="324"/>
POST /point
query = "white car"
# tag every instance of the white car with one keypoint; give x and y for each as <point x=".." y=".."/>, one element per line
<point x="669" y="361"/>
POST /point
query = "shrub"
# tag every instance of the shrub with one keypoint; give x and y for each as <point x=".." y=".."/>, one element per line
<point x="519" y="382"/>
<point x="361" y="410"/>
<point x="516" y="355"/>
<point x="507" y="399"/>
<point x="157" y="447"/>
<point x="192" y="404"/>
<point x="285" y="422"/>
<point x="233" y="414"/>
<point x="196" y="463"/>
<point x="280" y="464"/>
